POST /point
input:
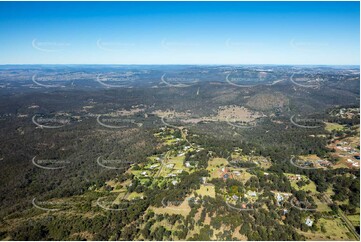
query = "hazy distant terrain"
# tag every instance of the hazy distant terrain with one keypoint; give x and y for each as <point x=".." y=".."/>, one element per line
<point x="132" y="152"/>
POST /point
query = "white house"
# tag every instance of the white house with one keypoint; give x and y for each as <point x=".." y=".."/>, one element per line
<point x="153" y="166"/>
<point x="309" y="222"/>
<point x="237" y="173"/>
<point x="252" y="193"/>
<point x="279" y="197"/>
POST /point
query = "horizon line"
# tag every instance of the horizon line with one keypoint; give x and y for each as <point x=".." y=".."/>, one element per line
<point x="162" y="64"/>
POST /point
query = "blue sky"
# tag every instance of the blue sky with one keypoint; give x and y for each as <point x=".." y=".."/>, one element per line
<point x="180" y="33"/>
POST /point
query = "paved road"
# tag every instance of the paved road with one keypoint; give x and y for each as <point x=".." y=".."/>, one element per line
<point x="162" y="164"/>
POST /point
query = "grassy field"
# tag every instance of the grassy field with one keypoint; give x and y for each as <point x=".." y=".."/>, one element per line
<point x="119" y="198"/>
<point x="333" y="126"/>
<point x="329" y="191"/>
<point x="354" y="219"/>
<point x="217" y="162"/>
<point x="134" y="195"/>
<point x="340" y="164"/>
<point x="178" y="165"/>
<point x="207" y="191"/>
<point x="153" y="158"/>
<point x="265" y="165"/>
<point x="182" y="209"/>
<point x="335" y="230"/>
<point x="312" y="158"/>
<point x="177" y="161"/>
<point x="136" y="172"/>
<point x="309" y="187"/>
<point x="170" y="141"/>
<point x="117" y="186"/>
<point x="244" y="177"/>
<point x="238" y="235"/>
<point x="214" y="166"/>
<point x="321" y="206"/>
<point x="163" y="223"/>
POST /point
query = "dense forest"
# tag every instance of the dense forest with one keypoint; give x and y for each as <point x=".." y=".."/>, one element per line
<point x="74" y="181"/>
